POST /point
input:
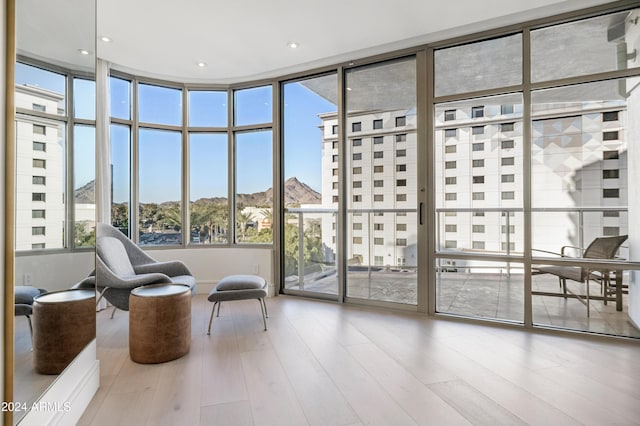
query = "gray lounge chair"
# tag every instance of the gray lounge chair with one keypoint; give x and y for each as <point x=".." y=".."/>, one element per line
<point x="122" y="266"/>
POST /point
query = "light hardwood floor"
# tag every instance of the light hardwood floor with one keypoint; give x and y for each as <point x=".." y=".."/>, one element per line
<point x="322" y="363"/>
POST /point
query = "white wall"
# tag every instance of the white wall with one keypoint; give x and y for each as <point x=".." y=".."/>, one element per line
<point x="211" y="265"/>
<point x="54" y="271"/>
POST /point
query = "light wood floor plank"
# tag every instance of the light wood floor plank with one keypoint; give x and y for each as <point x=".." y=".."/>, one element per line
<point x="231" y="414"/>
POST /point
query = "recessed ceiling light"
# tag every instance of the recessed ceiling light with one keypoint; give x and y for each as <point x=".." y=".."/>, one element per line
<point x="202" y="64"/>
<point x="106" y="39"/>
<point x="293" y="45"/>
<point x="83" y="51"/>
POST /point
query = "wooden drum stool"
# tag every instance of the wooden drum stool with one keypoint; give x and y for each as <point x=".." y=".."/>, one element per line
<point x="64" y="322"/>
<point x="159" y="323"/>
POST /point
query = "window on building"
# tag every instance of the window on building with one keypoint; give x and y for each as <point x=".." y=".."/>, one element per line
<point x="450" y="196"/>
<point x="378" y="154"/>
<point x="335" y="199"/>
<point x="508" y="195"/>
<point x="610" y="136"/>
<point x="38" y="180"/>
<point x="334" y="144"/>
<point x="450" y="133"/>
<point x="610" y="231"/>
<point x="610" y="214"/>
<point x="401" y="167"/>
<point x="478" y="229"/>
<point x="401" y="121"/>
<point x="37" y="246"/>
<point x="477" y="130"/>
<point x="478" y="214"/>
<point x="478" y="179"/>
<point x="477" y="196"/>
<point x="378" y="183"/>
<point x="334" y="129"/>
<point x="451" y="228"/>
<point x="449" y="164"/>
<point x="401" y="182"/>
<point x="507" y="161"/>
<point x="450" y="149"/>
<point x="477" y="163"/>
<point x="477" y="147"/>
<point x="37" y="230"/>
<point x="508" y="178"/>
<point x="356" y="127"/>
<point x="357" y="156"/>
<point x="512" y="246"/>
<point x="451" y="214"/>
<point x="334" y="172"/>
<point x="450" y="244"/>
<point x="357" y="226"/>
<point x="378" y="197"/>
<point x="39" y="129"/>
<point x="507" y="144"/>
<point x="377" y="124"/>
<point x="378" y="241"/>
<point x="611" y="193"/>
<point x="401" y="226"/>
<point x="401" y="242"/>
<point x="335" y="185"/>
<point x="357" y="240"/>
<point x="38" y="214"/>
<point x="507" y="127"/>
<point x="610" y="155"/>
<point x="401" y="153"/>
<point x="39" y="163"/>
<point x="611" y="174"/>
<point x="610" y="116"/>
<point x="378" y="260"/>
<point x="39" y="146"/>
<point x="401" y="197"/>
<point x="451" y="180"/>
<point x="356" y="142"/>
<point x="506" y="109"/>
<point x="402" y="137"/>
<point x="378" y="169"/>
<point x="477" y="112"/>
<point x="478" y="245"/>
<point x="38" y="196"/>
<point x="39" y="107"/>
<point x="378" y="226"/>
<point x="357" y="198"/>
<point x="377" y="140"/>
<point x="335" y="158"/>
<point x="356" y="170"/>
<point x="450" y="115"/>
<point x="357" y="184"/>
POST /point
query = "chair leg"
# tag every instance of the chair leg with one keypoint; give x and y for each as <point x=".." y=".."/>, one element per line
<point x="211" y="319"/>
<point x="219" y="304"/>
<point x="113" y="312"/>
<point x="588" y="310"/>
<point x="564" y="286"/>
<point x="263" y="310"/>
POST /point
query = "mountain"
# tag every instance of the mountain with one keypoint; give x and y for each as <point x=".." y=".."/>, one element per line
<point x="85" y="194"/>
<point x="295" y="193"/>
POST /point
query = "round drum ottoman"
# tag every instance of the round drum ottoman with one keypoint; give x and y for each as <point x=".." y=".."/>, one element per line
<point x="64" y="322"/>
<point x="159" y="323"/>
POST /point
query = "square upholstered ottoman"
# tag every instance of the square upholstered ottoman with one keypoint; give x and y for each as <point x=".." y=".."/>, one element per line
<point x="239" y="287"/>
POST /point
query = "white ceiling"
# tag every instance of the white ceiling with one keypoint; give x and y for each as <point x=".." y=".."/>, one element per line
<point x="242" y="40"/>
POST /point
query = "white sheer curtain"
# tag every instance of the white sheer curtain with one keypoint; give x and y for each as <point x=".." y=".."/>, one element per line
<point x="103" y="159"/>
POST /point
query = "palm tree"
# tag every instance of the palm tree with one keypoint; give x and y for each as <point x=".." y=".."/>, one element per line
<point x="242" y="219"/>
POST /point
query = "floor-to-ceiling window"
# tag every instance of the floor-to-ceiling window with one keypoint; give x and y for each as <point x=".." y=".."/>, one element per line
<point x="380" y="181"/>
<point x="311" y="187"/>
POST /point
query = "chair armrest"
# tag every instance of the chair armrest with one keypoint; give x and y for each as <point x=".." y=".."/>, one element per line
<point x="170" y="268"/>
<point x="574" y="247"/>
<point x="133" y="281"/>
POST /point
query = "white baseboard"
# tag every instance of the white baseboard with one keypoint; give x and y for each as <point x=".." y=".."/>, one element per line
<point x="66" y="399"/>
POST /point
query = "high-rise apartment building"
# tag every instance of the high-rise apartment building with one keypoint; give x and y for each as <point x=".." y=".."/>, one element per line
<point x="40" y="192"/>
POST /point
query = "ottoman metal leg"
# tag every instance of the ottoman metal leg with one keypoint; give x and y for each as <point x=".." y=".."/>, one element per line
<point x="211" y="319"/>
<point x="263" y="310"/>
